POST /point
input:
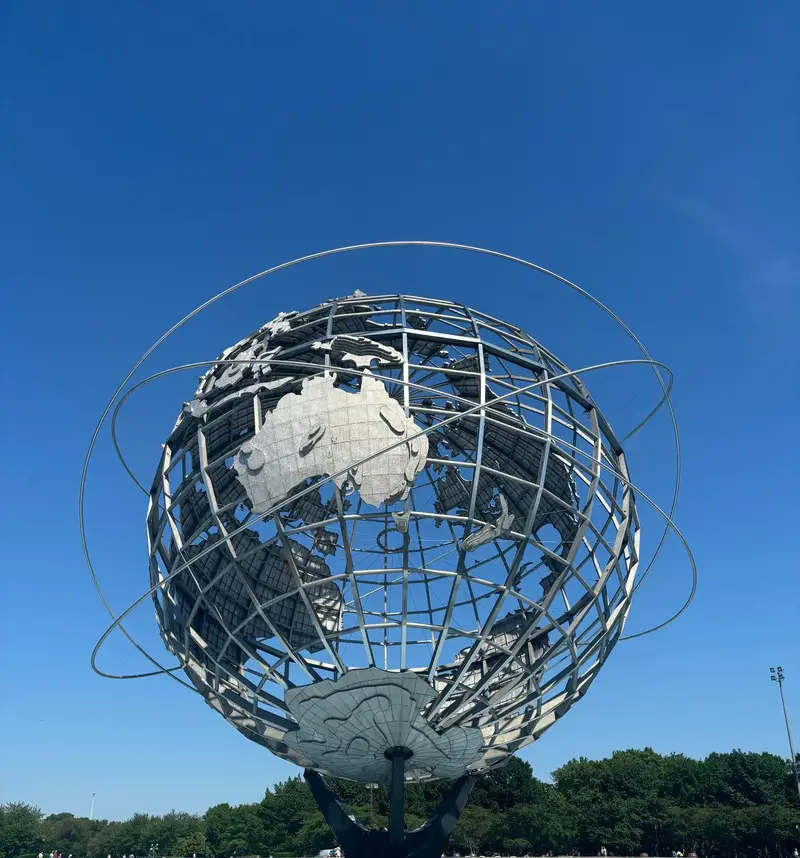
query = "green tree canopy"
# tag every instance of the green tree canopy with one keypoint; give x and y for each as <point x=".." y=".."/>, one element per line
<point x="735" y="805"/>
<point x="20" y="828"/>
<point x="472" y="829"/>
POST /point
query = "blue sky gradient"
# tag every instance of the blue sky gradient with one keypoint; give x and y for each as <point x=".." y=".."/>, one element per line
<point x="153" y="154"/>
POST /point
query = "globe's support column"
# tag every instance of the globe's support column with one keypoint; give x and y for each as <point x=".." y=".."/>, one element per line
<point x="397" y="799"/>
<point x="356" y="841"/>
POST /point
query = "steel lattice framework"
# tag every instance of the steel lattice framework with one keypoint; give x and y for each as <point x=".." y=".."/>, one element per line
<point x="502" y="574"/>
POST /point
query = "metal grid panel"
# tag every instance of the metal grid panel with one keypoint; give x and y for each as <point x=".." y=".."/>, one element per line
<point x="502" y="576"/>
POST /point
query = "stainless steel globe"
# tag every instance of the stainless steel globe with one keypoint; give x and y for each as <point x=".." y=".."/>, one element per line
<point x="392" y="522"/>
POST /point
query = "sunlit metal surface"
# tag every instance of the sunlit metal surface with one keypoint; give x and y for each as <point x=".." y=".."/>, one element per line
<point x="488" y="542"/>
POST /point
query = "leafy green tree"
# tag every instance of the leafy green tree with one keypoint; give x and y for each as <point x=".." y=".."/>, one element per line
<point x="189" y="845"/>
<point x="504" y="787"/>
<point x="421" y="798"/>
<point x="284" y="810"/>
<point x="736" y="805"/>
<point x="134" y="835"/>
<point x="377" y="819"/>
<point x="217" y="820"/>
<point x="516" y="846"/>
<point x="20" y="828"/>
<point x="682" y="779"/>
<point x="171" y="828"/>
<point x="68" y="833"/>
<point x="547" y="824"/>
<point x="741" y="779"/>
<point x="473" y="828"/>
<point x="236" y="830"/>
<point x="313" y="835"/>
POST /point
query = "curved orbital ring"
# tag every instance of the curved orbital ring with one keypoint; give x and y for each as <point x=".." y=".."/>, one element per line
<point x="656" y="366"/>
<point x="117" y="622"/>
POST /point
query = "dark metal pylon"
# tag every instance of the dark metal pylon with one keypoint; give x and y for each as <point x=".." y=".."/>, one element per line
<point x="356" y="841"/>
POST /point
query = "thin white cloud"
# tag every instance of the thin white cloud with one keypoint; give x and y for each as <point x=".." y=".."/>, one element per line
<point x="769" y="286"/>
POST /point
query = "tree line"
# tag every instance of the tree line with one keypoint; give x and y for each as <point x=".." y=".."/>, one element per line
<point x="734" y="805"/>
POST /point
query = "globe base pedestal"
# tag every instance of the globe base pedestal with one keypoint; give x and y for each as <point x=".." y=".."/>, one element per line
<point x="357" y="841"/>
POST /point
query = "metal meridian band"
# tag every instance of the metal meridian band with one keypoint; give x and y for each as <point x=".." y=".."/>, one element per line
<point x="664" y="400"/>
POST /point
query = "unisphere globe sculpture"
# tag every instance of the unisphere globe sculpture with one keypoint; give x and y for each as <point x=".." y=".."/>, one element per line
<point x="392" y="526"/>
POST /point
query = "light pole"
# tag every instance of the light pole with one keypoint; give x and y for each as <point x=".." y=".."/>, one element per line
<point x="776" y="675"/>
<point x="371" y="787"/>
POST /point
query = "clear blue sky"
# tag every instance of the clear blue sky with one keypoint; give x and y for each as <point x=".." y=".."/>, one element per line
<point x="154" y="153"/>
